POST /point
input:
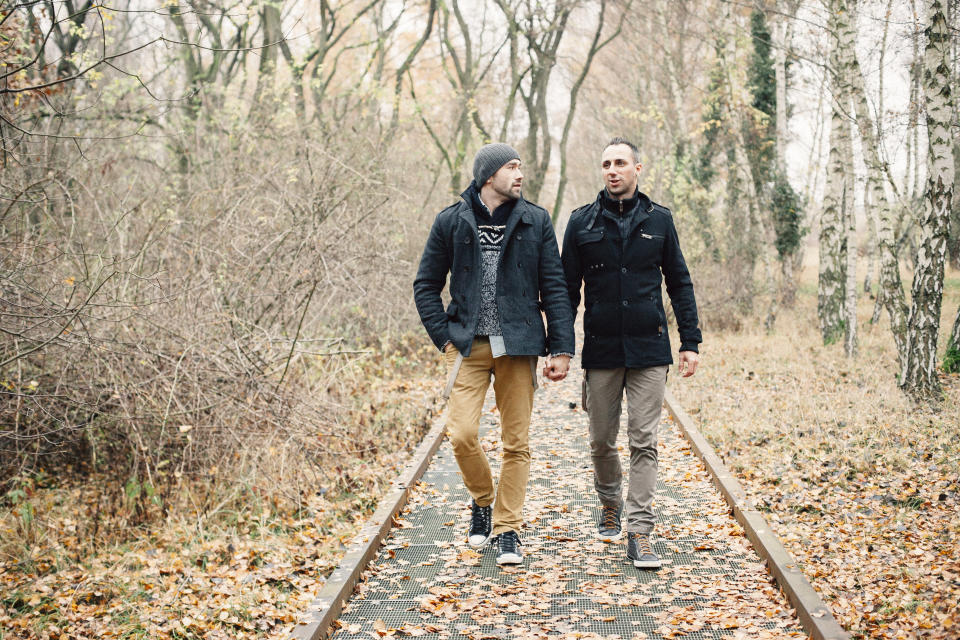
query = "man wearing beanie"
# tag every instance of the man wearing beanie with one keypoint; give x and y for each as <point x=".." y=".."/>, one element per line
<point x="501" y="254"/>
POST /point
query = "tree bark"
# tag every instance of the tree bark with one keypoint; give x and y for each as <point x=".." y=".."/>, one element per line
<point x="919" y="372"/>
<point x="954" y="241"/>
<point x="267" y="69"/>
<point x="850" y="247"/>
<point x="833" y="258"/>
<point x="890" y="281"/>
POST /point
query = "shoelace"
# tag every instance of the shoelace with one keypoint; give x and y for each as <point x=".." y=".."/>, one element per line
<point x="509" y="542"/>
<point x="643" y="543"/>
<point x="480" y="522"/>
<point x="609" y="517"/>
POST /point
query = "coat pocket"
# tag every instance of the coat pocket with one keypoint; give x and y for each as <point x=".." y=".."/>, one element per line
<point x="589" y="236"/>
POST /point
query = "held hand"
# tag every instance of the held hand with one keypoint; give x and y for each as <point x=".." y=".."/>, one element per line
<point x="688" y="363"/>
<point x="556" y="368"/>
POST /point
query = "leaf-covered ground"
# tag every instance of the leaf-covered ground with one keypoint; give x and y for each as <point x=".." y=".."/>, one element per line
<point x="862" y="487"/>
<point x="428" y="582"/>
<point x="244" y="570"/>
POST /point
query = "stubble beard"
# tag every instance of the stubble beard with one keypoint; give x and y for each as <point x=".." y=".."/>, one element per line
<point x="510" y="193"/>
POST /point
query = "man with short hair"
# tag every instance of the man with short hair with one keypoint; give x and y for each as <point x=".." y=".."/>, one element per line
<point x="504" y="265"/>
<point x="618" y="246"/>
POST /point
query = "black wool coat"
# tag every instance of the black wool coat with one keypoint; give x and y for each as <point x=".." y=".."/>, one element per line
<point x="619" y="250"/>
<point x="529" y="278"/>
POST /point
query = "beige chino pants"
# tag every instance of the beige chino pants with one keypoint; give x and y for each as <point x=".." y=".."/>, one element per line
<point x="603" y="391"/>
<point x="513" y="385"/>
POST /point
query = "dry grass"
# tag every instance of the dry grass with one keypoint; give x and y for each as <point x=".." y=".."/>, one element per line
<point x="862" y="487"/>
<point x="233" y="557"/>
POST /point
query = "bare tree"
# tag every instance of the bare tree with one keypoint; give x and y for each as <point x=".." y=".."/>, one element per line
<point x="466" y="62"/>
<point x="542" y="27"/>
<point x="890" y="283"/>
<point x="404" y="69"/>
<point x="919" y="366"/>
<point x="338" y="18"/>
<point x="595" y="45"/>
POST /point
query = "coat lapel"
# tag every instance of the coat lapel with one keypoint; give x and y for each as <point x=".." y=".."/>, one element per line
<point x="520" y="212"/>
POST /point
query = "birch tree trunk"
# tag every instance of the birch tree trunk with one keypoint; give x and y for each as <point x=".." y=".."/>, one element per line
<point x="849" y="217"/>
<point x="890" y="283"/>
<point x="919" y="372"/>
<point x="850" y="247"/>
<point x="833" y="259"/>
<point x="954" y="242"/>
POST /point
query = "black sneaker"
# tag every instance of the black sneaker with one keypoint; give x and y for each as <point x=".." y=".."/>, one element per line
<point x="480" y="524"/>
<point x="609" y="529"/>
<point x="640" y="551"/>
<point x="508" y="548"/>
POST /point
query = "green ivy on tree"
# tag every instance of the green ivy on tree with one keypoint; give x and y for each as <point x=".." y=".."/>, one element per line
<point x="762" y="82"/>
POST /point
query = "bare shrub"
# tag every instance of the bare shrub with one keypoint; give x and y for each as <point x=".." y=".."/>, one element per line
<point x="161" y="326"/>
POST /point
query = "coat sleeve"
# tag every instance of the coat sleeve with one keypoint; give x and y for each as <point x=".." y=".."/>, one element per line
<point x="572" y="272"/>
<point x="680" y="289"/>
<point x="553" y="294"/>
<point x="430" y="280"/>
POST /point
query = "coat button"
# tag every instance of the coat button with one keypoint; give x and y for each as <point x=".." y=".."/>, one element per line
<point x="519" y="264"/>
<point x="623" y="269"/>
<point x="624" y="303"/>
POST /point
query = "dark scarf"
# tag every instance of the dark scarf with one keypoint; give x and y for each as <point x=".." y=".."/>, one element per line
<point x="500" y="215"/>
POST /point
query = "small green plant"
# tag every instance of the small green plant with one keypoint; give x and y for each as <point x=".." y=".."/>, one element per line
<point x="951" y="359"/>
<point x="18" y="499"/>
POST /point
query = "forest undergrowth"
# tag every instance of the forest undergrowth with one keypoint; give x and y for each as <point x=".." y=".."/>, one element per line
<point x="862" y="487"/>
<point x="227" y="557"/>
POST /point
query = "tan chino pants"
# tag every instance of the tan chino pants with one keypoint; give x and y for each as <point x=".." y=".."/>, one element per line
<point x="513" y="386"/>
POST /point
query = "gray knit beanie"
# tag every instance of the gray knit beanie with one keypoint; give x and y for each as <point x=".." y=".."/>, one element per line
<point x="489" y="159"/>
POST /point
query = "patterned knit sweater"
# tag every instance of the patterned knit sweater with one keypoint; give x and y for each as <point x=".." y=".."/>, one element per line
<point x="490" y="227"/>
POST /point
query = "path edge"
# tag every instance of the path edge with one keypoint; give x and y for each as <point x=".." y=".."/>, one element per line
<point x="316" y="622"/>
<point x="815" y="617"/>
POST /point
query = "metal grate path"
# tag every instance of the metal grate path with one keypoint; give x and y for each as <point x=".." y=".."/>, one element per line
<point x="426" y="582"/>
